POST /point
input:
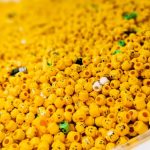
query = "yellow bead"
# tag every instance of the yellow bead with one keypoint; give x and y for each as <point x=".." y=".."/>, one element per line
<point x="100" y="100"/>
<point x="58" y="116"/>
<point x="20" y="118"/>
<point x="140" y="127"/>
<point x="123" y="117"/>
<point x="103" y="132"/>
<point x="110" y="146"/>
<point x="112" y="135"/>
<point x="106" y="89"/>
<point x="59" y="136"/>
<point x="18" y="134"/>
<point x="87" y="142"/>
<point x="122" y="129"/>
<point x="134" y="114"/>
<point x="115" y="84"/>
<point x="88" y="86"/>
<point x="94" y="110"/>
<point x="51" y="109"/>
<point x="122" y="140"/>
<point x="68" y="99"/>
<point x="138" y="66"/>
<point x="5" y="117"/>
<point x="79" y="115"/>
<point x="11" y="126"/>
<point x="69" y="108"/>
<point x="100" y="143"/>
<point x="31" y="132"/>
<point x="7" y="141"/>
<point x="133" y="73"/>
<point x="23" y="107"/>
<point x="14" y="146"/>
<point x="139" y="103"/>
<point x="57" y="145"/>
<point x="38" y="101"/>
<point x="69" y="90"/>
<point x="80" y="127"/>
<point x="146" y="82"/>
<point x="53" y="128"/>
<point x="60" y="92"/>
<point x="132" y="131"/>
<point x="73" y="136"/>
<point x="29" y="117"/>
<point x="24" y="95"/>
<point x="108" y="123"/>
<point x="14" y="113"/>
<point x="110" y="101"/>
<point x="75" y="145"/>
<point x="89" y="121"/>
<point x="86" y="74"/>
<point x="35" y="141"/>
<point x="48" y="138"/>
<point x="68" y="116"/>
<point x="43" y="145"/>
<point x="146" y="90"/>
<point x="133" y="81"/>
<point x="83" y="95"/>
<point x="126" y="65"/>
<point x="74" y="75"/>
<point x="91" y="131"/>
<point x="59" y="102"/>
<point x="144" y="115"/>
<point x="114" y="93"/>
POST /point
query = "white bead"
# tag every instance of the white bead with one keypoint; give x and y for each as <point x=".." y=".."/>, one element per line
<point x="97" y="86"/>
<point x="103" y="80"/>
<point x="22" y="69"/>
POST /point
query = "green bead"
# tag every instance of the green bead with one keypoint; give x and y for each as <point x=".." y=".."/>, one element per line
<point x="116" y="52"/>
<point x="129" y="16"/>
<point x="121" y="43"/>
<point x="14" y="71"/>
<point x="49" y="64"/>
<point x="64" y="126"/>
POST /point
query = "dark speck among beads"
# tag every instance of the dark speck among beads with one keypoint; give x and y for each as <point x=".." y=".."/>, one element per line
<point x="79" y="61"/>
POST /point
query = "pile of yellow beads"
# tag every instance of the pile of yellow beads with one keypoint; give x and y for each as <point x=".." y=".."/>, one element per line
<point x="51" y="54"/>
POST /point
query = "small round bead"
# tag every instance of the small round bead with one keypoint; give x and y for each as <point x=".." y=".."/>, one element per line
<point x="110" y="146"/>
<point x="144" y="115"/>
<point x="91" y="131"/>
<point x="122" y="140"/>
<point x="94" y="110"/>
<point x="31" y="132"/>
<point x="59" y="136"/>
<point x="87" y="142"/>
<point x="80" y="127"/>
<point x="132" y="131"/>
<point x="7" y="141"/>
<point x="140" y="127"/>
<point x="122" y="129"/>
<point x="83" y="95"/>
<point x="73" y="136"/>
<point x="134" y="114"/>
<point x="112" y="135"/>
<point x="104" y="80"/>
<point x="53" y="128"/>
<point x="69" y="90"/>
<point x="100" y="143"/>
<point x="97" y="86"/>
<point x="75" y="145"/>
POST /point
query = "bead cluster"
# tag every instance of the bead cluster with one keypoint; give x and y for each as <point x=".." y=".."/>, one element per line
<point x="97" y="86"/>
<point x="74" y="74"/>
